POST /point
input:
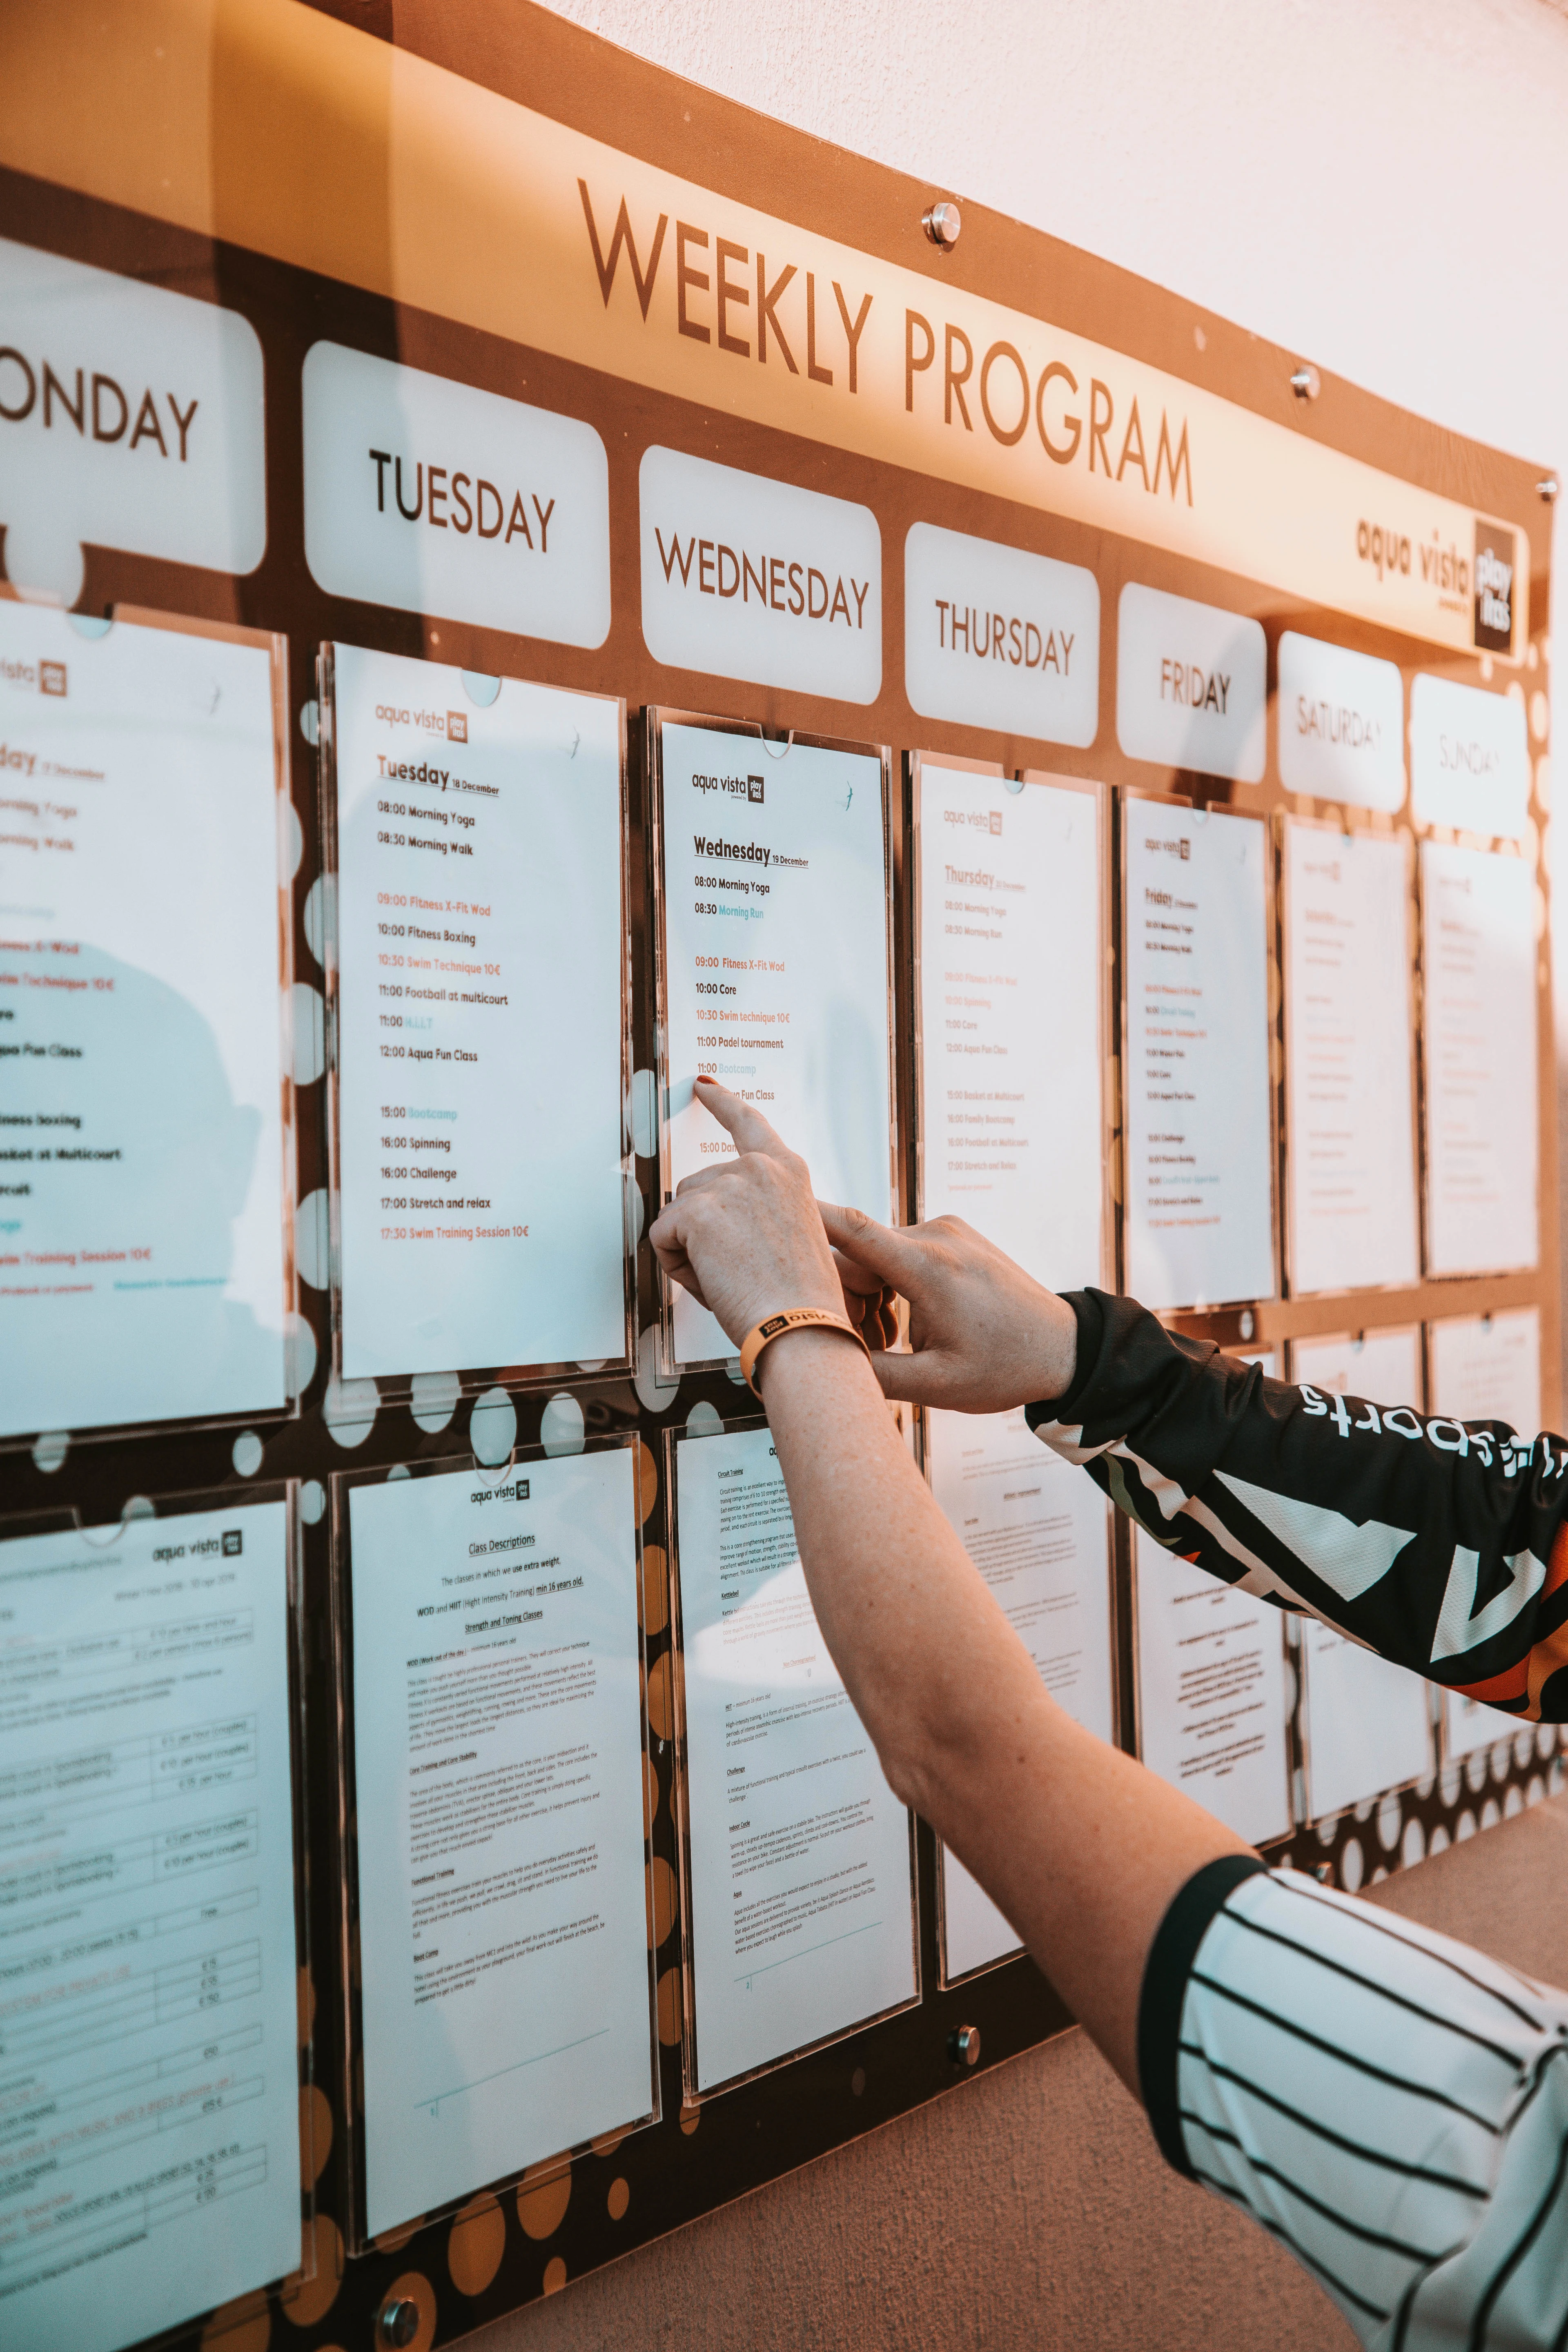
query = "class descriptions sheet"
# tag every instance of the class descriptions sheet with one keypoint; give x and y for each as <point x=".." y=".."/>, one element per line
<point x="498" y="1760"/>
<point x="1012" y="1124"/>
<point x="149" y="2016"/>
<point x="1199" y="1124"/>
<point x="1211" y="1692"/>
<point x="1478" y="937"/>
<point x="1351" y="1148"/>
<point x="776" y="965"/>
<point x="481" y="1021"/>
<point x="1036" y="1529"/>
<point x="1366" y="1722"/>
<point x="143" y="1265"/>
<point x="801" y="1898"/>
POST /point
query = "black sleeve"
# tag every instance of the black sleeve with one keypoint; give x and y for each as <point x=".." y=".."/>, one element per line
<point x="1166" y="1974"/>
<point x="1439" y="1544"/>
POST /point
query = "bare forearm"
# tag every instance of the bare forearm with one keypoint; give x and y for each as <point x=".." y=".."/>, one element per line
<point x="1082" y="1849"/>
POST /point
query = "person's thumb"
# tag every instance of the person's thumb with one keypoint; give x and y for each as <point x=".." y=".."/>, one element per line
<point x="915" y="1379"/>
<point x="880" y="1247"/>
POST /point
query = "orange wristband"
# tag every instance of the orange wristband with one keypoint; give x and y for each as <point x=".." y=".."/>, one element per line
<point x="793" y="1318"/>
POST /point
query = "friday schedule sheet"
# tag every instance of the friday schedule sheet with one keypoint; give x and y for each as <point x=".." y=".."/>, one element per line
<point x="776" y="965"/>
<point x="480" y="1085"/>
<point x="498" y="1758"/>
<point x="149" y="2077"/>
<point x="802" y="1900"/>
<point x="1200" y="1191"/>
<point x="142" y="1216"/>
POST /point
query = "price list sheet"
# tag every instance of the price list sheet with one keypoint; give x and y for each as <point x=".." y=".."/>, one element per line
<point x="1350" y="1146"/>
<point x="774" y="963"/>
<point x="480" y="1018"/>
<point x="1199" y="1123"/>
<point x="1478" y="937"/>
<point x="142" y="1270"/>
<point x="1366" y="1723"/>
<point x="497" y="1760"/>
<point x="1037" y="1529"/>
<point x="148" y="2074"/>
<point x="1011" y="1125"/>
<point x="1211" y="1692"/>
<point x="800" y="1894"/>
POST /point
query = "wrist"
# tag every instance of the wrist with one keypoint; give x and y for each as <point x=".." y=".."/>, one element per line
<point x="818" y="1351"/>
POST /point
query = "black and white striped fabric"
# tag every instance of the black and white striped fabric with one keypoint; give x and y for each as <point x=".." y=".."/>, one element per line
<point x="1391" y="2106"/>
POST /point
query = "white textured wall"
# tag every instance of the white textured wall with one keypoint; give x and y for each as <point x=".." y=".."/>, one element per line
<point x="1380" y="185"/>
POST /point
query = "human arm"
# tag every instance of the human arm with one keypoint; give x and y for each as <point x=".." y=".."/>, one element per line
<point x="1438" y="1544"/>
<point x="1081" y="1848"/>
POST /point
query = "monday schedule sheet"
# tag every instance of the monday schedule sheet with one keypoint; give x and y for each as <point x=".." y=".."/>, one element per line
<point x="149" y="2074"/>
<point x="479" y="1088"/>
<point x="497" y="1760"/>
<point x="774" y="961"/>
<point x="800" y="1858"/>
<point x="142" y="1271"/>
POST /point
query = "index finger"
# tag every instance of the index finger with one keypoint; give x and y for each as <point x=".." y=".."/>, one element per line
<point x="749" y="1127"/>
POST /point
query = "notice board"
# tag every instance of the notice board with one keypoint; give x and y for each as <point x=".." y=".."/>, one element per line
<point x="447" y="344"/>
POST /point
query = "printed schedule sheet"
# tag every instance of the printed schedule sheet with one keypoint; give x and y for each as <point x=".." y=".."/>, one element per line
<point x="801" y="1898"/>
<point x="1010" y="921"/>
<point x="498" y="1764"/>
<point x="479" y="1086"/>
<point x="1200" y="1188"/>
<point x="775" y="966"/>
<point x="141" y="1076"/>
<point x="149" y="2075"/>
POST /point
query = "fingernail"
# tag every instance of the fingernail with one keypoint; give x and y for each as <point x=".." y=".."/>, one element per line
<point x="705" y="1079"/>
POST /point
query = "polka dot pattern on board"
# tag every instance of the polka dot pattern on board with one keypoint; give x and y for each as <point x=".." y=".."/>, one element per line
<point x="1389" y="1818"/>
<point x="474" y="2245"/>
<point x="349" y="1409"/>
<point x="554" y="2276"/>
<point x="492" y="1428"/>
<point x="311" y="2293"/>
<point x="243" y="2325"/>
<point x="434" y="1399"/>
<point x="307" y="1032"/>
<point x="1352" y="1865"/>
<point x="291" y="837"/>
<point x="654" y="1589"/>
<point x="310" y="721"/>
<point x="640" y="1115"/>
<point x="298" y="1355"/>
<point x="562" y="1429"/>
<point x="246" y="1454"/>
<point x="50" y="1449"/>
<point x="312" y="1502"/>
<point x="480" y="690"/>
<point x="312" y="1239"/>
<point x="704" y="1420"/>
<point x="319" y="915"/>
<point x="655" y="1393"/>
<point x="542" y="2196"/>
<point x="315" y="2134"/>
<point x="619" y="2198"/>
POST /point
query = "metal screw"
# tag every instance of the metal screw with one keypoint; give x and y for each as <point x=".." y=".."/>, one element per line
<point x="941" y="224"/>
<point x="963" y="2045"/>
<point x="1306" y="384"/>
<point x="397" y="2322"/>
<point x="1546" y="490"/>
<point x="1323" y="1871"/>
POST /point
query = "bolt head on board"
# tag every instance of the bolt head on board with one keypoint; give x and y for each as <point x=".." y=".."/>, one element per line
<point x="963" y="2045"/>
<point x="1546" y="490"/>
<point x="941" y="223"/>
<point x="1306" y="384"/>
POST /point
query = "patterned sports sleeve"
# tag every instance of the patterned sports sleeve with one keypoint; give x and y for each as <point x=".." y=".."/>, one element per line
<point x="1389" y="2104"/>
<point x="1440" y="1544"/>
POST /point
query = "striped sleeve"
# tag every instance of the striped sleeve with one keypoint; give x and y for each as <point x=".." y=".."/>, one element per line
<point x="1392" y="2106"/>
